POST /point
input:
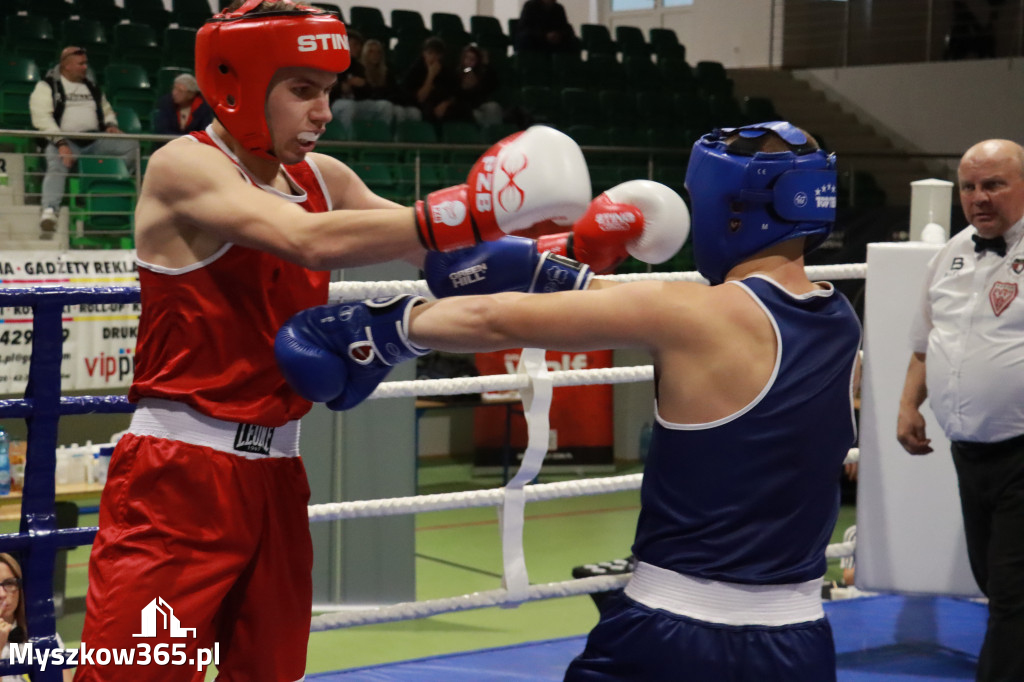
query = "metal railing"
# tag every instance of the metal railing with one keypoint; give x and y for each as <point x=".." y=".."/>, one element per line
<point x="405" y="172"/>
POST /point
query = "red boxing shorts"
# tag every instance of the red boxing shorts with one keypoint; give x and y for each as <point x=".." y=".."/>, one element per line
<point x="199" y="549"/>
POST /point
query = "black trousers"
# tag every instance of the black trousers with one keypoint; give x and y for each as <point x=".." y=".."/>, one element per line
<point x="991" y="477"/>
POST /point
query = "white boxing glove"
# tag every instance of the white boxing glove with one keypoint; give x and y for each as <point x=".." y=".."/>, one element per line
<point x="535" y="175"/>
<point x="640" y="218"/>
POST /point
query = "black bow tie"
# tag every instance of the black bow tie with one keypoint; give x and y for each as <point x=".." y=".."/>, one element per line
<point x="997" y="244"/>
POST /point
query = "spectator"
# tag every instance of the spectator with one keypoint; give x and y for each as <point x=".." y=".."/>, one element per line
<point x="473" y="98"/>
<point x="967" y="359"/>
<point x="369" y="90"/>
<point x="13" y="621"/>
<point x="183" y="109"/>
<point x="544" y="26"/>
<point x="383" y="85"/>
<point x="429" y="83"/>
<point x="67" y="101"/>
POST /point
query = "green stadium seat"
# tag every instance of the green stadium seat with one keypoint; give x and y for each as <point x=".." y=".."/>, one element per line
<point x="420" y="132"/>
<point x="149" y="12"/>
<point x="693" y="112"/>
<point x="654" y="108"/>
<point x="487" y="29"/>
<point x="665" y="44"/>
<point x="603" y="176"/>
<point x="580" y="106"/>
<point x="367" y="130"/>
<point x="125" y="76"/>
<point x="369" y="21"/>
<point x="408" y="24"/>
<point x="568" y="70"/>
<point x="31" y="36"/>
<point x="627" y="136"/>
<point x="597" y="39"/>
<point x="541" y="103"/>
<point x="14" y="110"/>
<point x="179" y="47"/>
<point x="449" y="27"/>
<point x="498" y="132"/>
<point x="379" y="178"/>
<point x="677" y="75"/>
<point x="533" y="68"/>
<point x="630" y="41"/>
<point x="102" y="195"/>
<point x="641" y="73"/>
<point x="17" y="69"/>
<point x="431" y="178"/>
<point x="129" y="121"/>
<point x="190" y="13"/>
<point x="461" y="132"/>
<point x="106" y="12"/>
<point x="587" y="135"/>
<point x="335" y="132"/>
<point x="617" y="108"/>
<point x="136" y="43"/>
<point x="712" y="78"/>
<point x="605" y="71"/>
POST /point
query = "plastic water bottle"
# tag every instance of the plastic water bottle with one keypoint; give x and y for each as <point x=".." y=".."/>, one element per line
<point x="5" y="464"/>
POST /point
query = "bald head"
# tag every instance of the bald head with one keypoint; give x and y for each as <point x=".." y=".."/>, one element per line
<point x="74" y="64"/>
<point x="991" y="179"/>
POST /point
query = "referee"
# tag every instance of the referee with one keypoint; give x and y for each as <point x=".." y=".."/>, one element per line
<point x="970" y="327"/>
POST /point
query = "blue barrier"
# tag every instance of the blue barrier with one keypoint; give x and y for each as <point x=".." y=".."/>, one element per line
<point x="42" y="407"/>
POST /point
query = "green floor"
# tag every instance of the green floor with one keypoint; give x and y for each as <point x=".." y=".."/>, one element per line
<point x="458" y="552"/>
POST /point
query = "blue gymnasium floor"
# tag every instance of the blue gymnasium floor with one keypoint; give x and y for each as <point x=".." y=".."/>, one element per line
<point x="878" y="639"/>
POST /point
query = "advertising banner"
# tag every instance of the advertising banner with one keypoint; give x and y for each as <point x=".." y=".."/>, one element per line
<point x="99" y="340"/>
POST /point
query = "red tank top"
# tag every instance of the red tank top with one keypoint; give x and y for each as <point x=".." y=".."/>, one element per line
<point x="206" y="333"/>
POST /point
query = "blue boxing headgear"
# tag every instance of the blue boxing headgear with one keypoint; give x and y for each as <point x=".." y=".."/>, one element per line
<point x="744" y="200"/>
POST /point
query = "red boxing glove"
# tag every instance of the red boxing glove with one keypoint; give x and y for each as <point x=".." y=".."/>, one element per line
<point x="536" y="175"/>
<point x="641" y="218"/>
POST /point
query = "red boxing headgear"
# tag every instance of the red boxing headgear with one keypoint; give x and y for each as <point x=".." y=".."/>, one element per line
<point x="237" y="53"/>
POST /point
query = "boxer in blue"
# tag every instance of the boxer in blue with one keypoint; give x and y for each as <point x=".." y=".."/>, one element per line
<point x="753" y="411"/>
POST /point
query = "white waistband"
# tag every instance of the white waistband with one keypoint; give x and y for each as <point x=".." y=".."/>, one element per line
<point x="176" y="421"/>
<point x="713" y="601"/>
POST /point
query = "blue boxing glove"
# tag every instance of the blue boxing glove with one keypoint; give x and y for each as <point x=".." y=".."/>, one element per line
<point x="508" y="264"/>
<point x="338" y="353"/>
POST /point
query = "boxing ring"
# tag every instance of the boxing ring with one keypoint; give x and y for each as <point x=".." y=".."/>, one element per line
<point x="42" y="406"/>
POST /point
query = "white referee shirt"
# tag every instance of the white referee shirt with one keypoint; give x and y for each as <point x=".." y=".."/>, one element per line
<point x="971" y="327"/>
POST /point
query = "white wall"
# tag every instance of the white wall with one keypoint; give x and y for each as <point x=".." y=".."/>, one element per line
<point x="937" y="107"/>
<point x="734" y="32"/>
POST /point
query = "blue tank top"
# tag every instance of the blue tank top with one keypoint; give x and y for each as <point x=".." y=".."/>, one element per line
<point x="753" y="498"/>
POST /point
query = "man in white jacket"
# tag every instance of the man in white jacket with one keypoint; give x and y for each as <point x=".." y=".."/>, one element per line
<point x="66" y="101"/>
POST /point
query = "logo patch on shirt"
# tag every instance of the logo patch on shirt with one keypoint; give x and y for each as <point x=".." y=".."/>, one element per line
<point x="1001" y="296"/>
<point x="1017" y="266"/>
<point x="253" y="438"/>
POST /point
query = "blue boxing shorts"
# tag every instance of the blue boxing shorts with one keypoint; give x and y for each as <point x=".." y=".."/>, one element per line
<point x="636" y="642"/>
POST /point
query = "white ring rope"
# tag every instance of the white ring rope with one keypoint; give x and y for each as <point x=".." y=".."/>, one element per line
<point x="476" y="600"/>
<point x="494" y="497"/>
<point x="512" y="498"/>
<point x="510" y="382"/>
<point x="357" y="291"/>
